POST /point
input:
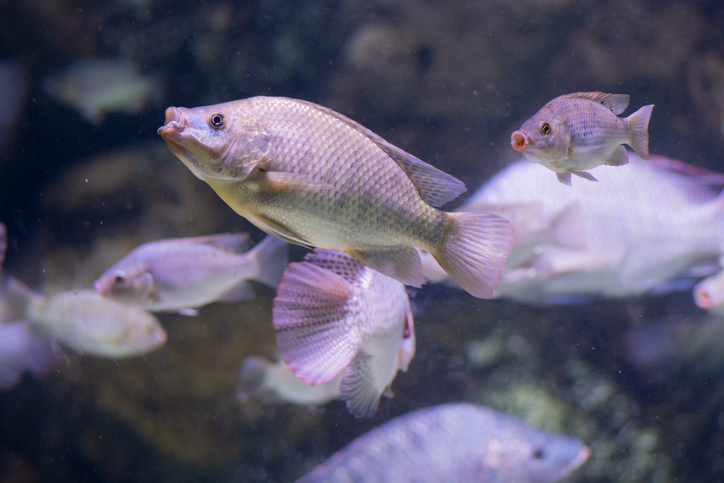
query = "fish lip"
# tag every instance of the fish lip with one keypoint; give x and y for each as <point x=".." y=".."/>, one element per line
<point x="519" y="140"/>
<point x="175" y="122"/>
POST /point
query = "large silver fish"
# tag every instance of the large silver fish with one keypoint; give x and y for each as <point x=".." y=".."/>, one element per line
<point x="580" y="131"/>
<point x="180" y="274"/>
<point x="311" y="176"/>
<point x="453" y="443"/>
<point x="645" y="226"/>
<point x="332" y="314"/>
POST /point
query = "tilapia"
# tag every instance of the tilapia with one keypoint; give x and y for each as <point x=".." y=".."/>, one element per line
<point x="645" y="226"/>
<point x="98" y="86"/>
<point x="181" y="274"/>
<point x="313" y="177"/>
<point x="259" y="378"/>
<point x="456" y="443"/>
<point x="333" y="315"/>
<point x="580" y="131"/>
<point x="91" y="324"/>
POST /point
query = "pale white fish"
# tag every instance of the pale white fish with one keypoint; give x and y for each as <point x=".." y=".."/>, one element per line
<point x="333" y="315"/>
<point x="184" y="273"/>
<point x="576" y="132"/>
<point x="646" y="224"/>
<point x="268" y="381"/>
<point x="453" y="443"/>
<point x="96" y="87"/>
<point x="91" y="324"/>
<point x="313" y="177"/>
<point x="21" y="350"/>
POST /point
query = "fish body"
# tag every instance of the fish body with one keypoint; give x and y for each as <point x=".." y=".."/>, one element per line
<point x="183" y="273"/>
<point x="259" y="378"/>
<point x="98" y="86"/>
<point x="92" y="324"/>
<point x="333" y="315"/>
<point x="310" y="176"/>
<point x="456" y="443"/>
<point x="645" y="225"/>
<point x="576" y="132"/>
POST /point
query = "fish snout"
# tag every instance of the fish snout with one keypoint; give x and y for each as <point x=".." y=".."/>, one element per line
<point x="519" y="140"/>
<point x="702" y="298"/>
<point x="174" y="122"/>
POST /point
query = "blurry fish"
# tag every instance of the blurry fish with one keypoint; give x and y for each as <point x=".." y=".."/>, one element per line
<point x="332" y="314"/>
<point x="453" y="443"/>
<point x="580" y="131"/>
<point x="96" y="86"/>
<point x="649" y="224"/>
<point x="310" y="176"/>
<point x="20" y="349"/>
<point x="259" y="378"/>
<point x="92" y="324"/>
<point x="182" y="273"/>
<point x="709" y="293"/>
<point x="13" y="95"/>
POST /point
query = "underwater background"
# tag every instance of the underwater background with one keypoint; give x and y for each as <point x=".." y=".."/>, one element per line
<point x="445" y="81"/>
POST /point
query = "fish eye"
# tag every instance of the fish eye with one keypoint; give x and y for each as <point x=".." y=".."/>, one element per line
<point x="538" y="454"/>
<point x="119" y="279"/>
<point x="545" y="128"/>
<point x="216" y="120"/>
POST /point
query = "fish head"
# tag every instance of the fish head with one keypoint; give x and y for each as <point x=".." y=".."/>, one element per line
<point x="544" y="136"/>
<point x="407" y="344"/>
<point x="125" y="284"/>
<point x="220" y="142"/>
<point x="549" y="457"/>
<point x="709" y="293"/>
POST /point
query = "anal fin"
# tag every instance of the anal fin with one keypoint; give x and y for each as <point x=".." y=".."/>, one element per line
<point x="399" y="262"/>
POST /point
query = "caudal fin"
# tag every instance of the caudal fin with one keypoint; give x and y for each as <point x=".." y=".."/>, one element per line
<point x="272" y="254"/>
<point x="475" y="251"/>
<point x="639" y="125"/>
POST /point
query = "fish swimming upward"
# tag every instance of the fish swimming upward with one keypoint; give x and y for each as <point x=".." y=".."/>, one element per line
<point x="580" y="131"/>
<point x="453" y="443"/>
<point x="179" y="274"/>
<point x="313" y="177"/>
<point x="332" y="314"/>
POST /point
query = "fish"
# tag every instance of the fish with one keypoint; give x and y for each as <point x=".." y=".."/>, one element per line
<point x="95" y="87"/>
<point x="709" y="293"/>
<point x="454" y="442"/>
<point x="313" y="177"/>
<point x="576" y="132"/>
<point x="333" y="315"/>
<point x="262" y="379"/>
<point x="91" y="324"/>
<point x="646" y="226"/>
<point x="21" y="350"/>
<point x="181" y="274"/>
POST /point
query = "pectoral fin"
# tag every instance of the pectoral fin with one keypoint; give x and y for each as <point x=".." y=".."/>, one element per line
<point x="273" y="228"/>
<point x="301" y="183"/>
<point x="565" y="178"/>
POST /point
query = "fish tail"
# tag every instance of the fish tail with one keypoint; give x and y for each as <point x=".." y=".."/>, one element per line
<point x="639" y="126"/>
<point x="475" y="251"/>
<point x="252" y="377"/>
<point x="271" y="254"/>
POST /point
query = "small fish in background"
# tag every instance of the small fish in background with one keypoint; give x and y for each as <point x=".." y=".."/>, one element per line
<point x="95" y="87"/>
<point x="268" y="381"/>
<point x="649" y="226"/>
<point x="180" y="274"/>
<point x="14" y="88"/>
<point x="456" y="443"/>
<point x="21" y="350"/>
<point x="333" y="315"/>
<point x="91" y="324"/>
<point x="709" y="293"/>
<point x="580" y="131"/>
<point x="313" y="177"/>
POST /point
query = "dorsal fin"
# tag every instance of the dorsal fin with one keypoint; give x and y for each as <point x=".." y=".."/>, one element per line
<point x="616" y="102"/>
<point x="435" y="187"/>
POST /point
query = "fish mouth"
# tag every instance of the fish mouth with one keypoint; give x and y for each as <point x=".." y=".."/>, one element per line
<point x="519" y="140"/>
<point x="174" y="123"/>
<point x="702" y="298"/>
